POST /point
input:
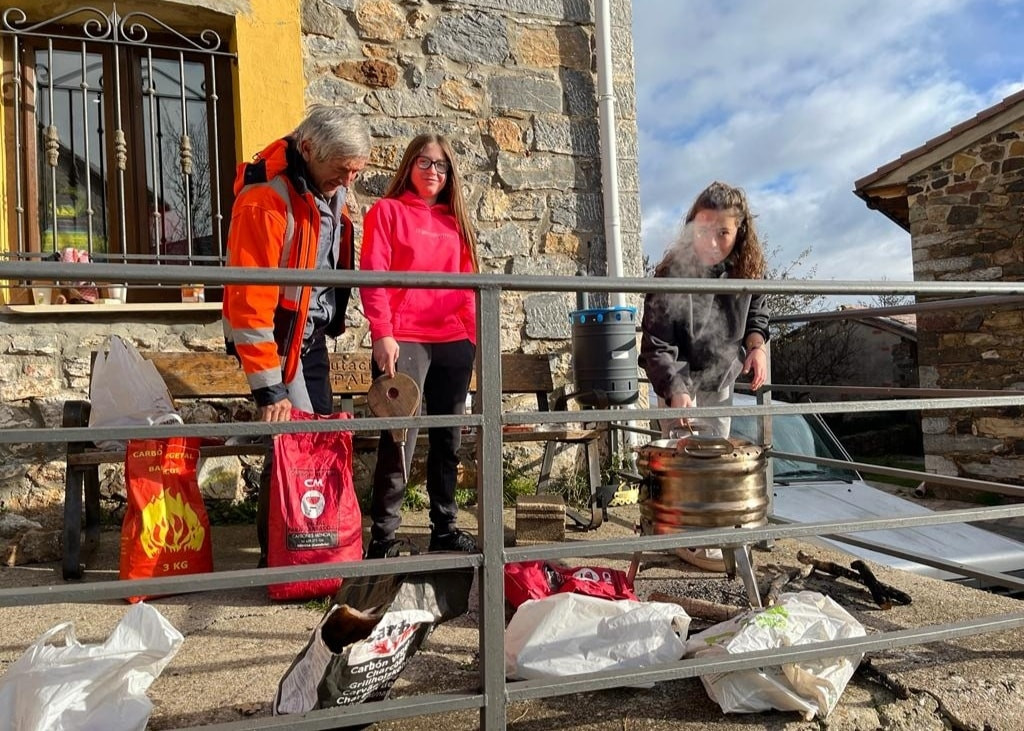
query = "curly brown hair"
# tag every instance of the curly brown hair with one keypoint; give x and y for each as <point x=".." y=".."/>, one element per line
<point x="746" y="261"/>
<point x="450" y="194"/>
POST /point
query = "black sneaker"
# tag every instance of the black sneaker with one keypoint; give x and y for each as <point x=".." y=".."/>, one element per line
<point x="454" y="541"/>
<point x="389" y="548"/>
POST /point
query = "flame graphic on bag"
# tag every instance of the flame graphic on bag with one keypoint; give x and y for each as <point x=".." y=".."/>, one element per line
<point x="166" y="531"/>
<point x="170" y="523"/>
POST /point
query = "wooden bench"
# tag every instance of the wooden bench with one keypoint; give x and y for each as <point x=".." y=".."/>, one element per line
<point x="208" y="376"/>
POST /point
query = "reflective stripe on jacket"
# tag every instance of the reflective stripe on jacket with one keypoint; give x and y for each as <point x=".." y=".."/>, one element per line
<point x="273" y="225"/>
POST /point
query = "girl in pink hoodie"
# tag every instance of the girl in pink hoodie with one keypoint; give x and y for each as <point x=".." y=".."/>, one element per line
<point x="421" y="225"/>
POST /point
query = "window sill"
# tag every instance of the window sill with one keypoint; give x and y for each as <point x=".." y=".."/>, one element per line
<point x="107" y="309"/>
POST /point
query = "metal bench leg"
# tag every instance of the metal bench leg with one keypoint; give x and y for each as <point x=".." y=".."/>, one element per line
<point x="92" y="513"/>
<point x="78" y="480"/>
<point x="544" y="480"/>
<point x="598" y="512"/>
<point x="72" y="566"/>
<point x="545" y="467"/>
<point x="739" y="561"/>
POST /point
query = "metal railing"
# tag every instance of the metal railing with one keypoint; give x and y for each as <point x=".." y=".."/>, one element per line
<point x="495" y="692"/>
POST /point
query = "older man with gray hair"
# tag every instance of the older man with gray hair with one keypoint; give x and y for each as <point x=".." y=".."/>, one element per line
<point x="290" y="213"/>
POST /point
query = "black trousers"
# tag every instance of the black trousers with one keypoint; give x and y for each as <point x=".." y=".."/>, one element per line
<point x="443" y="372"/>
<point x="316" y="377"/>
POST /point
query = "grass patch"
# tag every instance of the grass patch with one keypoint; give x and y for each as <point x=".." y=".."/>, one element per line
<point x="465" y="497"/>
<point x="574" y="487"/>
<point x="514" y="480"/>
<point x="320" y="605"/>
<point x="223" y="512"/>
<point x="415" y="498"/>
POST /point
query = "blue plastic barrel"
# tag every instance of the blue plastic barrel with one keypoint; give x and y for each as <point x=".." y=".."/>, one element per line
<point x="604" y="356"/>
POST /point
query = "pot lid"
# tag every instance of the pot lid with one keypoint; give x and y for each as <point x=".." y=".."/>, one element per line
<point x="704" y="447"/>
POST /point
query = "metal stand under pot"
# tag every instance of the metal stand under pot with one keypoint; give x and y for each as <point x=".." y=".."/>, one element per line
<point x="697" y="483"/>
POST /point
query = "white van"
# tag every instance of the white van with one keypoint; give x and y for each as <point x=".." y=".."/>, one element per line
<point x="807" y="493"/>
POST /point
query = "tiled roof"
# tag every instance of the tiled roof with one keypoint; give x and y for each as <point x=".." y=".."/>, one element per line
<point x="935" y="142"/>
<point x="904" y="322"/>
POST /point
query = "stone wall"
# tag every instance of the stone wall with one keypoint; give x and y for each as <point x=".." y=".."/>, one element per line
<point x="44" y="361"/>
<point x="511" y="82"/>
<point x="846" y="353"/>
<point x="965" y="224"/>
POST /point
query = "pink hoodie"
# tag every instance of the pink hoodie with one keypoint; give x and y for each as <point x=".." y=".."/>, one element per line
<point x="405" y="234"/>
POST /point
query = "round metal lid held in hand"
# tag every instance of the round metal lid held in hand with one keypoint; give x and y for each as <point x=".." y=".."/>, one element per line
<point x="396" y="395"/>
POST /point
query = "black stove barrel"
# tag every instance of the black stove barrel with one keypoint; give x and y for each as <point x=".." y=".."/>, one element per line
<point x="604" y="361"/>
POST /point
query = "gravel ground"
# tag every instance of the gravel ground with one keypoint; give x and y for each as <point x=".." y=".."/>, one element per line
<point x="238" y="645"/>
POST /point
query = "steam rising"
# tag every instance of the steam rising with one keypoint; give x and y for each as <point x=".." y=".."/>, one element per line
<point x="708" y="317"/>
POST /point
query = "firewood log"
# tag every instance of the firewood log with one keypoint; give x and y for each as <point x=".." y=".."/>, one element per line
<point x="699" y="607"/>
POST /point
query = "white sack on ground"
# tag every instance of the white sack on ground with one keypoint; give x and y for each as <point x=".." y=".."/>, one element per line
<point x="76" y="687"/>
<point x="569" y="634"/>
<point x="811" y="687"/>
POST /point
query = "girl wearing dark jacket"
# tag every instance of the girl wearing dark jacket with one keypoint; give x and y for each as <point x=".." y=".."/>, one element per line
<point x="694" y="346"/>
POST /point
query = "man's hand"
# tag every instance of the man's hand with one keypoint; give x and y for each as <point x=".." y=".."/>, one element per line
<point x="385" y="354"/>
<point x="281" y="411"/>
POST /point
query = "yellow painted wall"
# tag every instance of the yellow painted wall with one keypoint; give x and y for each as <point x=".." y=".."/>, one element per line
<point x="269" y="82"/>
<point x="5" y="235"/>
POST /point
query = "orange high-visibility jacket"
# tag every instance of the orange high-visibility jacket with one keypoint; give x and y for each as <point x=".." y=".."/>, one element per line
<point x="272" y="226"/>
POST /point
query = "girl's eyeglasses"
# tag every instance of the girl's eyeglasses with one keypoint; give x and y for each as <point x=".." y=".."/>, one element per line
<point x="425" y="163"/>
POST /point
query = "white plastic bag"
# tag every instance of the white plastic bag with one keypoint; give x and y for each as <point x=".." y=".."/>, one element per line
<point x="569" y="634"/>
<point x="810" y="687"/>
<point x="127" y="389"/>
<point x="76" y="687"/>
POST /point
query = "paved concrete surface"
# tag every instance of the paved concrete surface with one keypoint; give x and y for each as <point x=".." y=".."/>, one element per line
<point x="238" y="644"/>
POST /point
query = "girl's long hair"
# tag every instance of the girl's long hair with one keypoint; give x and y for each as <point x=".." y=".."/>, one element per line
<point x="451" y="193"/>
<point x="746" y="261"/>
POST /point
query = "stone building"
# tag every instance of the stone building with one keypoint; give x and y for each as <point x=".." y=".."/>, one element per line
<point x="856" y="351"/>
<point x="961" y="198"/>
<point x="512" y="82"/>
<point x="873" y="352"/>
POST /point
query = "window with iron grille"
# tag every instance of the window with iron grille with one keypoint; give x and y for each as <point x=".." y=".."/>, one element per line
<point x="116" y="152"/>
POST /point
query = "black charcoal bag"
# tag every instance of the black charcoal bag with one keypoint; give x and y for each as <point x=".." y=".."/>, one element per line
<point x="367" y="636"/>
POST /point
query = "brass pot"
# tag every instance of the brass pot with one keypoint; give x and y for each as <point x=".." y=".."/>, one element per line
<point x="702" y="482"/>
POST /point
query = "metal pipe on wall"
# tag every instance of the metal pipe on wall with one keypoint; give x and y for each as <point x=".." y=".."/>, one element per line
<point x="610" y="182"/>
<point x="609" y="154"/>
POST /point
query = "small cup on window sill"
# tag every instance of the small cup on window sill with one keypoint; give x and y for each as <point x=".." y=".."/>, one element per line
<point x="193" y="293"/>
<point x="117" y="292"/>
<point x="41" y="295"/>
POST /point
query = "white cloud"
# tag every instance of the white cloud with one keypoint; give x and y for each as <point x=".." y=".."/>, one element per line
<point x="795" y="101"/>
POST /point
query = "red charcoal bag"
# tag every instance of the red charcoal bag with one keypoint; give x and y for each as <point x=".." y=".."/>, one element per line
<point x="314" y="513"/>
<point x="165" y="531"/>
<point x="595" y="581"/>
<point x="529" y="580"/>
<point x="539" y="579"/>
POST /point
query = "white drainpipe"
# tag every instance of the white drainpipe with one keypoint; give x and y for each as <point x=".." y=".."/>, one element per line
<point x="609" y="155"/>
<point x="610" y="173"/>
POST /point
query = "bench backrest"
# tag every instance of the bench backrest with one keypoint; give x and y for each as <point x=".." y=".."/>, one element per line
<point x="217" y="375"/>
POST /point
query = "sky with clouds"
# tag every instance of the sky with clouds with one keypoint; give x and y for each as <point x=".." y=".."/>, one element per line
<point x="795" y="100"/>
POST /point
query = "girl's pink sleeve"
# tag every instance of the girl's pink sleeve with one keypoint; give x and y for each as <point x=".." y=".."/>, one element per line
<point x="376" y="256"/>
